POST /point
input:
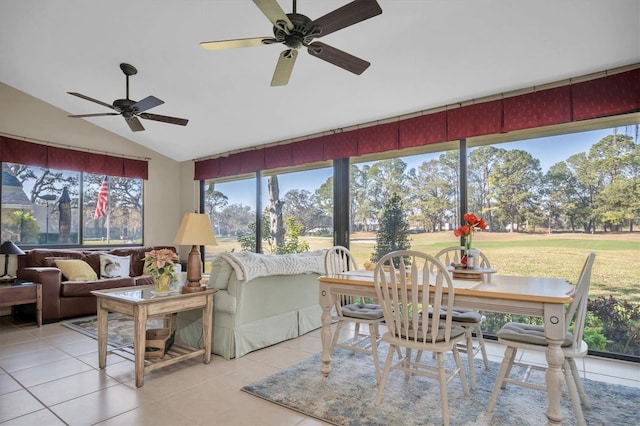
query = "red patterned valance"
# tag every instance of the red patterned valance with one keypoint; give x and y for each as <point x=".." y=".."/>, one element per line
<point x="601" y="97"/>
<point x="22" y="152"/>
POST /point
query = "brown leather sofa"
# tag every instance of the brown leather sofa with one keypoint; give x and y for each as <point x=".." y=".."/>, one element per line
<point x="65" y="299"/>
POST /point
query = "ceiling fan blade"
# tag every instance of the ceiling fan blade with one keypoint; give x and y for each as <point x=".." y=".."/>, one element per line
<point x="274" y="13"/>
<point x="80" y="95"/>
<point x="145" y="104"/>
<point x="134" y="124"/>
<point x="100" y="114"/>
<point x="286" y="61"/>
<point x="349" y="14"/>
<point x="164" y="119"/>
<point x="233" y="44"/>
<point x="337" y="57"/>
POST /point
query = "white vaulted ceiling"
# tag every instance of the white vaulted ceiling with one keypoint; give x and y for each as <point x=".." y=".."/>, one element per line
<point x="423" y="54"/>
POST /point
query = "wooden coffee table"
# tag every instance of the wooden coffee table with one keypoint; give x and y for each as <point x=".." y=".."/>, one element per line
<point x="140" y="303"/>
<point x="19" y="292"/>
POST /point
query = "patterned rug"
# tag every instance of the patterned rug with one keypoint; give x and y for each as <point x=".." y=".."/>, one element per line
<point x="120" y="329"/>
<point x="347" y="397"/>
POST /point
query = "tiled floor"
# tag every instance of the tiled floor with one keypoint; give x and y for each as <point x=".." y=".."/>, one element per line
<point x="49" y="376"/>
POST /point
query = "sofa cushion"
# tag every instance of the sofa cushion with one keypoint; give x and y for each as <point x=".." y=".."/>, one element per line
<point x="114" y="266"/>
<point x="75" y="269"/>
<point x="38" y="257"/>
<point x="84" y="288"/>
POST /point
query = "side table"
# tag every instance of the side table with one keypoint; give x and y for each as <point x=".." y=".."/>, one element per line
<point x="19" y="292"/>
<point x="140" y="303"/>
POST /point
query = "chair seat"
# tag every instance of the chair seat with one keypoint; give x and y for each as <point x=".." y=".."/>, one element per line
<point x="464" y="315"/>
<point x="366" y="311"/>
<point x="528" y="333"/>
<point x="456" y="331"/>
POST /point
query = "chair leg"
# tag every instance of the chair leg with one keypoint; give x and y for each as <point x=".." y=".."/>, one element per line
<point x="512" y="358"/>
<point x="385" y="375"/>
<point x="505" y="365"/>
<point x="472" y="372"/>
<point x="442" y="375"/>
<point x="573" y="393"/>
<point x="578" y="380"/>
<point x="373" y="335"/>
<point x="482" y="347"/>
<point x="463" y="380"/>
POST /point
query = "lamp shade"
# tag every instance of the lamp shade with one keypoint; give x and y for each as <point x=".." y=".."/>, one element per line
<point x="195" y="230"/>
<point x="8" y="247"/>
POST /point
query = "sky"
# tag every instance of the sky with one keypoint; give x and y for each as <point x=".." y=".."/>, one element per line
<point x="549" y="150"/>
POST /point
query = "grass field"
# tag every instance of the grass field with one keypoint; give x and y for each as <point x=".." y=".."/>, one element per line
<point x="551" y="255"/>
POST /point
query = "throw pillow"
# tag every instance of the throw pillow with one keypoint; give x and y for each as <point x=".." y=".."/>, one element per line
<point x="76" y="270"/>
<point x="114" y="266"/>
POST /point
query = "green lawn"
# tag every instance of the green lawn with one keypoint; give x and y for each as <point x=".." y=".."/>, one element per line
<point x="557" y="255"/>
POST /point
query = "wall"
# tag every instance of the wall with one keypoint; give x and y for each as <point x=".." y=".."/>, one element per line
<point x="24" y="116"/>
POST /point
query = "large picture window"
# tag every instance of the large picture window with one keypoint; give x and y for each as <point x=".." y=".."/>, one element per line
<point x="48" y="207"/>
<point x="548" y="199"/>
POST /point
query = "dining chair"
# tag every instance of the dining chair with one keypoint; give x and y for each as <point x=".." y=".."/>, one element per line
<point x="398" y="278"/>
<point x="353" y="308"/>
<point x="468" y="318"/>
<point x="531" y="337"/>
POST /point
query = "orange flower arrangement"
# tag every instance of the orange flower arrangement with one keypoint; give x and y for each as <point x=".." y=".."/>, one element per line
<point x="472" y="224"/>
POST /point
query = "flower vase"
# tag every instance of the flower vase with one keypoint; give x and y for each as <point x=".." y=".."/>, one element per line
<point x="162" y="283"/>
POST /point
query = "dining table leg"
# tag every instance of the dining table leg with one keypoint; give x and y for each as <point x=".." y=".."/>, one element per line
<point x="554" y="378"/>
<point x="325" y="333"/>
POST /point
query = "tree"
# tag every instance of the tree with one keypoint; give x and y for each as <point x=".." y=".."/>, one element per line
<point x="515" y="182"/>
<point x="394" y="229"/>
<point x="433" y="195"/>
<point x="276" y="223"/>
<point x="303" y="206"/>
<point x="482" y="160"/>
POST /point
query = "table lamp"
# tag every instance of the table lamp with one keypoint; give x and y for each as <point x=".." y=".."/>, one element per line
<point x="8" y="248"/>
<point x="195" y="230"/>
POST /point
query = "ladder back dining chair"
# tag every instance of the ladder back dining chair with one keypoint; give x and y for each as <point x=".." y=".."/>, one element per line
<point x="529" y="337"/>
<point x="398" y="278"/>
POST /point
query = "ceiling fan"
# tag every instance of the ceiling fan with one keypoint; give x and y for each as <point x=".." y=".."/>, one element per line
<point x="129" y="109"/>
<point x="295" y="31"/>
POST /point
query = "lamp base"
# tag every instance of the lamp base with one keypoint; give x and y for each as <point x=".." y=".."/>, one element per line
<point x="192" y="289"/>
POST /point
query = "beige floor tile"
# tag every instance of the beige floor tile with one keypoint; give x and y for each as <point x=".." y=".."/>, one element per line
<point x="67" y="388"/>
<point x="8" y="350"/>
<point x="16" y="404"/>
<point x="92" y="359"/>
<point x="40" y="417"/>
<point x="45" y="373"/>
<point x="33" y="359"/>
<point x="80" y="348"/>
<point x="12" y="336"/>
<point x="7" y="384"/>
<point x="97" y="406"/>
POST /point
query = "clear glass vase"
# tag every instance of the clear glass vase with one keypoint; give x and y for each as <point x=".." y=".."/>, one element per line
<point x="162" y="283"/>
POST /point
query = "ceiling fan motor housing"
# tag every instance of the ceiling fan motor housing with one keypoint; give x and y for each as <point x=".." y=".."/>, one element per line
<point x="296" y="37"/>
<point x="124" y="106"/>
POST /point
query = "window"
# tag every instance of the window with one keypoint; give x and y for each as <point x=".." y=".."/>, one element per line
<point x="231" y="206"/>
<point x="44" y="207"/>
<point x="298" y="210"/>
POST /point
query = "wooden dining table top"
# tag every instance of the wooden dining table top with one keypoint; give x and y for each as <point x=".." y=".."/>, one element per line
<point x="492" y="286"/>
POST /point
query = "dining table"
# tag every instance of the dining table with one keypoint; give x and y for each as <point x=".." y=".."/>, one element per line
<point x="532" y="296"/>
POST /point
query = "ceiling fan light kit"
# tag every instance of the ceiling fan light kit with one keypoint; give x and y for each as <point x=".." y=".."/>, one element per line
<point x="129" y="109"/>
<point x="295" y="31"/>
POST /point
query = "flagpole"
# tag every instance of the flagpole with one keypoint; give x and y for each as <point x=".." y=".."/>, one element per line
<point x="108" y="211"/>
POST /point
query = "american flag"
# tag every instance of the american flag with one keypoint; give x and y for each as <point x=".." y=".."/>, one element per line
<point x="103" y="199"/>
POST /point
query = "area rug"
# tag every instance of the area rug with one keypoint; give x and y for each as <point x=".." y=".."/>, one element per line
<point x="347" y="397"/>
<point x="120" y="328"/>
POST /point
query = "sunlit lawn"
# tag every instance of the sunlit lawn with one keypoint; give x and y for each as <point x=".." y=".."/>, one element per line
<point x="559" y="255"/>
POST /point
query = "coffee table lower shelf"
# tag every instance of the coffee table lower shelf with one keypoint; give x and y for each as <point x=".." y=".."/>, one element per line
<point x="174" y="355"/>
